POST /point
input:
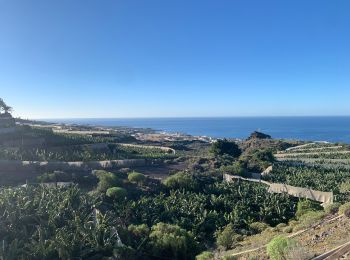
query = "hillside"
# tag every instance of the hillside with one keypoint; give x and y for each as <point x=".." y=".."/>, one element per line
<point x="318" y="165"/>
<point x="316" y="238"/>
<point x="119" y="193"/>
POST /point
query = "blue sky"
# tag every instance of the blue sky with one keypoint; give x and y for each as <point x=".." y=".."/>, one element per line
<point x="157" y="58"/>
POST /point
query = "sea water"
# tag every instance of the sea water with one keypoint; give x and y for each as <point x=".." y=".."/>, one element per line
<point x="333" y="129"/>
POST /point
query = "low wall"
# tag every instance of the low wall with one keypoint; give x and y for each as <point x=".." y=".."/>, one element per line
<point x="325" y="197"/>
<point x="9" y="165"/>
<point x="105" y="146"/>
<point x="81" y="132"/>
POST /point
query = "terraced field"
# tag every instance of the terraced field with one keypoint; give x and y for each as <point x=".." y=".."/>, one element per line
<point x="320" y="166"/>
<point x="317" y="153"/>
<point x="31" y="144"/>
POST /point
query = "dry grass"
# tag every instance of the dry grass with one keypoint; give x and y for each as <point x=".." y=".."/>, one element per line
<point x="329" y="234"/>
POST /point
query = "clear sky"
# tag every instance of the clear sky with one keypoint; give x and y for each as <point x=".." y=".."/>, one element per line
<point x="160" y="58"/>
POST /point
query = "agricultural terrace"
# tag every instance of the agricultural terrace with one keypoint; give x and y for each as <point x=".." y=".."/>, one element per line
<point x="126" y="213"/>
<point x="319" y="166"/>
<point x="133" y="219"/>
<point x="34" y="144"/>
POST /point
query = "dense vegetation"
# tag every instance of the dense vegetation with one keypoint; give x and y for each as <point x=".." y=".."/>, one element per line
<point x="315" y="177"/>
<point x="322" y="155"/>
<point x="320" y="166"/>
<point x="123" y="214"/>
<point x="225" y="147"/>
<point x="35" y="144"/>
<point x="50" y="138"/>
<point x="81" y="153"/>
<point x="135" y="219"/>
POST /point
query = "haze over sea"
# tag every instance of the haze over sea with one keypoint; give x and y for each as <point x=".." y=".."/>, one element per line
<point x="332" y="129"/>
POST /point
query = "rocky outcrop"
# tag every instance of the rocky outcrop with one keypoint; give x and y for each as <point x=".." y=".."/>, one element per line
<point x="258" y="135"/>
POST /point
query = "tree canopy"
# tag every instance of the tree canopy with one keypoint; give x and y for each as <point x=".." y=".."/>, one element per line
<point x="223" y="146"/>
<point x="4" y="107"/>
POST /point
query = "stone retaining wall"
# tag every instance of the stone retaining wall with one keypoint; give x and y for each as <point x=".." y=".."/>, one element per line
<point x="9" y="165"/>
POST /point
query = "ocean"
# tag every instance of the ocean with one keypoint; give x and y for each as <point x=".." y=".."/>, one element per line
<point x="332" y="129"/>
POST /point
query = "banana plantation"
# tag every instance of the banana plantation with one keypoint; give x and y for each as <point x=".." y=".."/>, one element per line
<point x="39" y="222"/>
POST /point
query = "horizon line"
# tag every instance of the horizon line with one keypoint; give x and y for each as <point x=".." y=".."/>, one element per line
<point x="181" y="117"/>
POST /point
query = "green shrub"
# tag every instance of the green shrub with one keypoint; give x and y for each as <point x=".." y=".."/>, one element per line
<point x="106" y="180"/>
<point x="206" y="255"/>
<point x="281" y="226"/>
<point x="305" y="206"/>
<point x="235" y="169"/>
<point x="345" y="209"/>
<point x="172" y="241"/>
<point x="227" y="238"/>
<point x="181" y="180"/>
<point x="221" y="147"/>
<point x="99" y="173"/>
<point x="265" y="155"/>
<point x="283" y="248"/>
<point x="310" y="218"/>
<point x="258" y="227"/>
<point x="333" y="208"/>
<point x="136" y="177"/>
<point x="138" y="234"/>
<point x="116" y="193"/>
<point x="288" y="229"/>
<point x="277" y="248"/>
<point x="139" y="230"/>
<point x="258" y="160"/>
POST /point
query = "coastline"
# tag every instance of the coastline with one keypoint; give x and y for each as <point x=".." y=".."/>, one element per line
<point x="142" y="134"/>
<point x="331" y="129"/>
